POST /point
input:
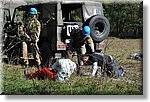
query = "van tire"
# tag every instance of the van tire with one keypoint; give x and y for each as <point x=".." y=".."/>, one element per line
<point x="100" y="27"/>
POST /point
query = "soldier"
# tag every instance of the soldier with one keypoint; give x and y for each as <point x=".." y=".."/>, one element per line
<point x="32" y="32"/>
<point x="83" y="41"/>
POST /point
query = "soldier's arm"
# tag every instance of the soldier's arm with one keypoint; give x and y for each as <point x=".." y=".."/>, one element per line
<point x="22" y="32"/>
<point x="38" y="31"/>
<point x="38" y="28"/>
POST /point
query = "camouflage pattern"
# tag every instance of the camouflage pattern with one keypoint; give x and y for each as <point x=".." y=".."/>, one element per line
<point x="89" y="42"/>
<point x="22" y="34"/>
<point x="35" y="51"/>
<point x="32" y="32"/>
<point x="33" y="29"/>
<point x="80" y="42"/>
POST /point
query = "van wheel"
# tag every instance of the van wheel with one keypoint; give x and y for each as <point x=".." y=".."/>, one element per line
<point x="100" y="27"/>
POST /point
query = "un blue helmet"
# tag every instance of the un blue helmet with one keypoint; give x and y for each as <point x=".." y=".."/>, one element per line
<point x="86" y="30"/>
<point x="33" y="11"/>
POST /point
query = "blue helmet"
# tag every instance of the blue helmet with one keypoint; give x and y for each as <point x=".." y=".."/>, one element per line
<point x="33" y="11"/>
<point x="86" y="30"/>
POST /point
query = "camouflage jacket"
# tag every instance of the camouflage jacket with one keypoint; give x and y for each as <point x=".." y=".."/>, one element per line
<point x="79" y="39"/>
<point x="33" y="29"/>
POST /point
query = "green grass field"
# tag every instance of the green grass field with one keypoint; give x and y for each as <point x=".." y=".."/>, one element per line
<point x="14" y="81"/>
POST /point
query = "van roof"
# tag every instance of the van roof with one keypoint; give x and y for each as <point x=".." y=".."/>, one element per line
<point x="16" y="3"/>
<point x="63" y="1"/>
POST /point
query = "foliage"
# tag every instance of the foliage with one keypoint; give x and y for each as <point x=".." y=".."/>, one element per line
<point x="126" y="19"/>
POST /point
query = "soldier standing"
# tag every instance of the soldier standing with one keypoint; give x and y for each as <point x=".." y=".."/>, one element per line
<point x="32" y="32"/>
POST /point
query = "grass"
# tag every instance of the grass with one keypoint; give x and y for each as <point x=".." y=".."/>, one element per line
<point x="15" y="83"/>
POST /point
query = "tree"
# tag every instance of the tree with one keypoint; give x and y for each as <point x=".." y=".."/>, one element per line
<point x="126" y="19"/>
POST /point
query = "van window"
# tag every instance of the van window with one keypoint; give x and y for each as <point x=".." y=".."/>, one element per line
<point x="72" y="13"/>
<point x="90" y="10"/>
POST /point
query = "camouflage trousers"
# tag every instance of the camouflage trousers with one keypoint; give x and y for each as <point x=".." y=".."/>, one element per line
<point x="35" y="51"/>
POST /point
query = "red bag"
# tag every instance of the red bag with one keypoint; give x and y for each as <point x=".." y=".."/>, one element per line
<point x="43" y="73"/>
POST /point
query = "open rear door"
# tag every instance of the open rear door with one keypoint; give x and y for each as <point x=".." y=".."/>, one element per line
<point x="48" y="37"/>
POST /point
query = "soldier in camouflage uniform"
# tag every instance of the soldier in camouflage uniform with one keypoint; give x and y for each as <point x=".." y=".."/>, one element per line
<point x="32" y="32"/>
<point x="83" y="41"/>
